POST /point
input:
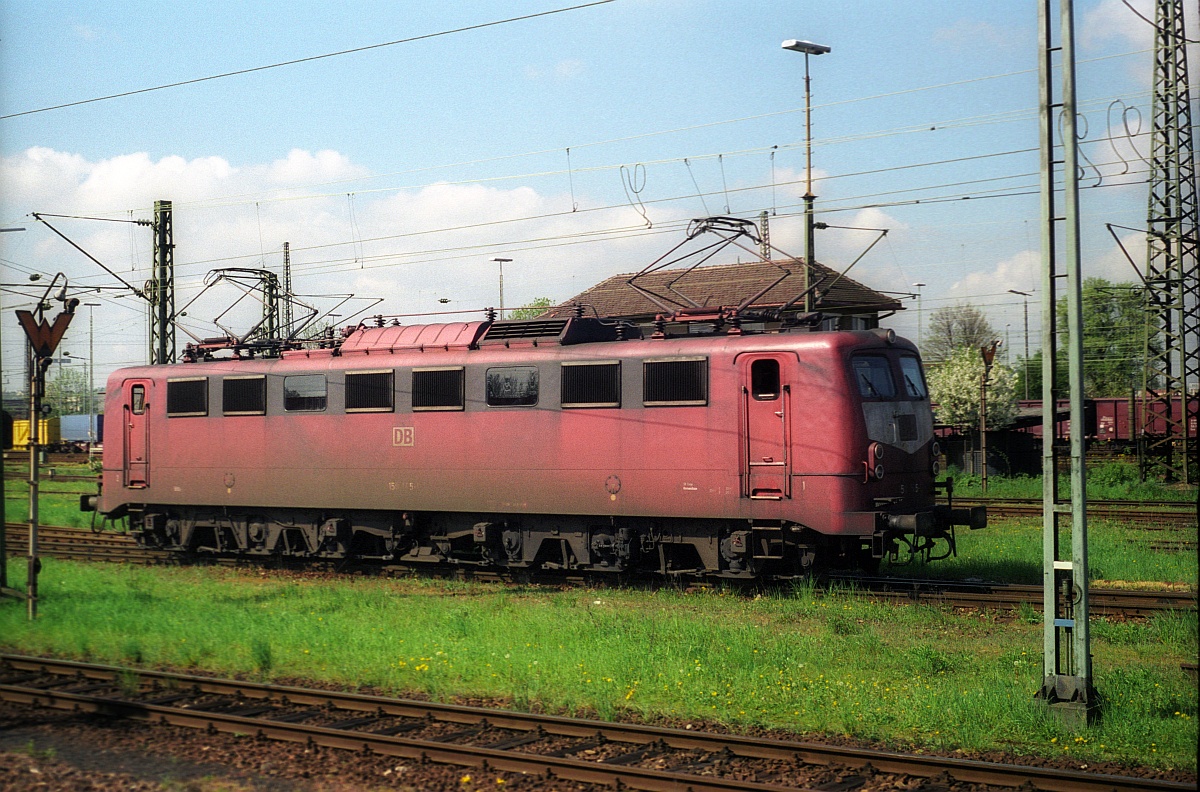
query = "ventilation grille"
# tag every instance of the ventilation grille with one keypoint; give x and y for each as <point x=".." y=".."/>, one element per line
<point x="670" y="383"/>
<point x="187" y="397"/>
<point x="533" y="328"/>
<point x="370" y="391"/>
<point x="244" y="395"/>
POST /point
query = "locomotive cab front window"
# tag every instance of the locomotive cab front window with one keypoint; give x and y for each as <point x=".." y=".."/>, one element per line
<point x="873" y="374"/>
<point x="914" y="380"/>
<point x="764" y="379"/>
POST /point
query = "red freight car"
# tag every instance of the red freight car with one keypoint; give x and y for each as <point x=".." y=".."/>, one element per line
<point x="553" y="444"/>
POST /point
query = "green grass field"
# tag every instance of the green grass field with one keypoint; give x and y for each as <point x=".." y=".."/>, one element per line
<point x="1010" y="550"/>
<point x="913" y="676"/>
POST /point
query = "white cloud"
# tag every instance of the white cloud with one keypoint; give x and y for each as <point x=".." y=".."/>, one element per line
<point x="1114" y="264"/>
<point x="1021" y="272"/>
<point x="1112" y="19"/>
<point x="410" y="246"/>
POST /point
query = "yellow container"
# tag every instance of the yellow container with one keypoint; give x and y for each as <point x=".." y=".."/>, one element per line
<point x="49" y="433"/>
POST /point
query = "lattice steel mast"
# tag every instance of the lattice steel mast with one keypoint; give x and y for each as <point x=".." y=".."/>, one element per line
<point x="1172" y="276"/>
<point x="160" y="291"/>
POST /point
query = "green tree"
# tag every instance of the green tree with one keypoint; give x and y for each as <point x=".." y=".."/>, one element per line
<point x="954" y="388"/>
<point x="1114" y="355"/>
<point x="66" y="389"/>
<point x="955" y="327"/>
<point x="531" y="310"/>
<point x="1114" y="327"/>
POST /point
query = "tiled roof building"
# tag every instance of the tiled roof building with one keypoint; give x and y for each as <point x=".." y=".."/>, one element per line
<point x="846" y="303"/>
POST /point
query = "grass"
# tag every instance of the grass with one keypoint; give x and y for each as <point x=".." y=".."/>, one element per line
<point x="1010" y="550"/>
<point x="53" y="509"/>
<point x="908" y="675"/>
<point x="1109" y="481"/>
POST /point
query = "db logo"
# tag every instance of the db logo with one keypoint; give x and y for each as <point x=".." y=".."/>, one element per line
<point x="402" y="435"/>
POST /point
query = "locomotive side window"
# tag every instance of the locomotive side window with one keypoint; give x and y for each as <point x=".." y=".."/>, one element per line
<point x="764" y="379"/>
<point x="244" y="395"/>
<point x="591" y="384"/>
<point x="874" y="376"/>
<point x="914" y="381"/>
<point x="437" y="389"/>
<point x="676" y="382"/>
<point x="137" y="398"/>
<point x="304" y="393"/>
<point x="187" y="397"/>
<point x="370" y="391"/>
<point x="512" y="386"/>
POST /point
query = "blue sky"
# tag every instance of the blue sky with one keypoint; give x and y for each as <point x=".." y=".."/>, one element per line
<point x="399" y="172"/>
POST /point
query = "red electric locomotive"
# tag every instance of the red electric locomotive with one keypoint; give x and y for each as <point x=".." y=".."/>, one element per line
<point x="569" y="443"/>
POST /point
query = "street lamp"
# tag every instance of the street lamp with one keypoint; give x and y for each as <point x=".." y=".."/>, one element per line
<point x="918" y="286"/>
<point x="807" y="48"/>
<point x="1025" y="363"/>
<point x="502" y="262"/>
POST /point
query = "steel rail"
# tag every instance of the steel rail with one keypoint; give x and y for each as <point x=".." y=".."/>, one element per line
<point x="641" y="740"/>
<point x="1102" y="601"/>
<point x="1166" y="513"/>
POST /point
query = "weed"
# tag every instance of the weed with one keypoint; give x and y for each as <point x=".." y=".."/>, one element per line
<point x="130" y="682"/>
<point x="40" y="754"/>
<point x="931" y="661"/>
<point x="260" y="649"/>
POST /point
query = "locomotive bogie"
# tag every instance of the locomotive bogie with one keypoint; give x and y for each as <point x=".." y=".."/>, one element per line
<point x="726" y="455"/>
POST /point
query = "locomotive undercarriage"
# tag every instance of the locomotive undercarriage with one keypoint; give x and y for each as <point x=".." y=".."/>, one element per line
<point x="673" y="548"/>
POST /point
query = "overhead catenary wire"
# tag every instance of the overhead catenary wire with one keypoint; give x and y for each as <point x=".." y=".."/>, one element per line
<point x="309" y="59"/>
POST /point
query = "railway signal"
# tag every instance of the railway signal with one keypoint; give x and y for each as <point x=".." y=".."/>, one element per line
<point x="44" y="338"/>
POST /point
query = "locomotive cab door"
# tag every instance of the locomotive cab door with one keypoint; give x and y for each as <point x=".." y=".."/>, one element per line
<point x="135" y="405"/>
<point x="766" y="426"/>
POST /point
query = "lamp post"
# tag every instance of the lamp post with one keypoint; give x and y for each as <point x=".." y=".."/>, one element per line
<point x="918" y="286"/>
<point x="807" y="48"/>
<point x="502" y="262"/>
<point x="1025" y="362"/>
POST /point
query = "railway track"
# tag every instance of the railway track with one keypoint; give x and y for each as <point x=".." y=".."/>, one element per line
<point x="617" y="755"/>
<point x="1101" y="601"/>
<point x="84" y="545"/>
<point x="1157" y="513"/>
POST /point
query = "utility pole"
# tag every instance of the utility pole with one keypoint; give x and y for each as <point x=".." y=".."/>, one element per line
<point x="1172" y="270"/>
<point x="287" y="290"/>
<point x="918" y="286"/>
<point x="764" y="235"/>
<point x="93" y="430"/>
<point x="161" y="289"/>
<point x="1025" y="360"/>
<point x="1066" y="640"/>
<point x="5" y="591"/>
<point x="502" y="262"/>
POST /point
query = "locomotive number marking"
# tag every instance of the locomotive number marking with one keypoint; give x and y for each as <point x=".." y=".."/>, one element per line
<point x="402" y="436"/>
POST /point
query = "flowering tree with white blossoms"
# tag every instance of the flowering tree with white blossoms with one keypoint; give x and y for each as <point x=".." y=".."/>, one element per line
<point x="954" y="388"/>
